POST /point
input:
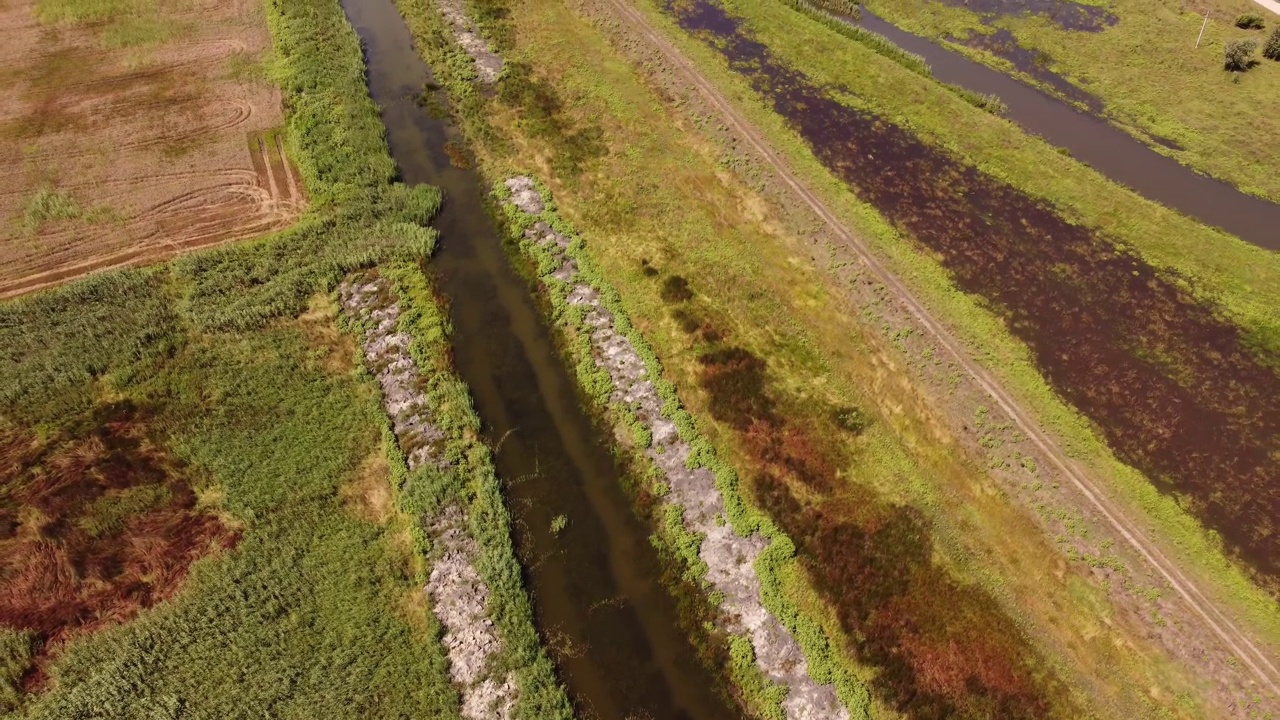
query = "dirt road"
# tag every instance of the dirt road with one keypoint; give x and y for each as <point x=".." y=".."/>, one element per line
<point x="1271" y="5"/>
<point x="1214" y="621"/>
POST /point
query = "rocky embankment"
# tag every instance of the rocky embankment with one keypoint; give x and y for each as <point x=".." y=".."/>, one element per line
<point x="730" y="558"/>
<point x="458" y="596"/>
<point x="488" y="63"/>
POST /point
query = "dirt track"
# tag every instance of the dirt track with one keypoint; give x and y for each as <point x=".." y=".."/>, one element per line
<point x="1213" y="621"/>
<point x="158" y="147"/>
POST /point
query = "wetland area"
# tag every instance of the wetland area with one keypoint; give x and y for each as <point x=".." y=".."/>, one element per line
<point x="624" y="360"/>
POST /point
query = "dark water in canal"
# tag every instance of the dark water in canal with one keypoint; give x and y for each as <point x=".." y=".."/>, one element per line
<point x="1103" y="146"/>
<point x="613" y="630"/>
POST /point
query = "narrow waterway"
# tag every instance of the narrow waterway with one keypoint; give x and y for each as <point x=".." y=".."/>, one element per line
<point x="610" y="625"/>
<point x="1103" y="146"/>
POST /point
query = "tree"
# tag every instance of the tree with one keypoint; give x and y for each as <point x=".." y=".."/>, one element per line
<point x="1271" y="50"/>
<point x="1238" y="55"/>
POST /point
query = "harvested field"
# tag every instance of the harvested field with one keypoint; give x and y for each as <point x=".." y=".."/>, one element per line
<point x="1169" y="382"/>
<point x="128" y="151"/>
<point x="93" y="528"/>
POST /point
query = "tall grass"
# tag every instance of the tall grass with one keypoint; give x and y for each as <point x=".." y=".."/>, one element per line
<point x="61" y="348"/>
<point x="302" y="617"/>
<point x="15" y="655"/>
<point x="48" y="204"/>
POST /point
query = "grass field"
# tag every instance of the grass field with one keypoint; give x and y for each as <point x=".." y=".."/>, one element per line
<point x="1148" y="73"/>
<point x="650" y="193"/>
<point x="972" y="219"/>
<point x="313" y="608"/>
<point x="197" y="451"/>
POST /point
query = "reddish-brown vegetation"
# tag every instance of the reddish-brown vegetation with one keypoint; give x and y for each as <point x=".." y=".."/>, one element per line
<point x="94" y="526"/>
<point x="942" y="648"/>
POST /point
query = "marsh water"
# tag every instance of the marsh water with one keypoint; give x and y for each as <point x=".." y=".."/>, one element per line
<point x="1092" y="140"/>
<point x="613" y="630"/>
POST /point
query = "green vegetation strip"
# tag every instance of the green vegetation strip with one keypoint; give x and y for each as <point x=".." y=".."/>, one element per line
<point x="778" y="554"/>
<point x="881" y="45"/>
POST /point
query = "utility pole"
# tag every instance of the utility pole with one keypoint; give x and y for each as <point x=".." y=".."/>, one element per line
<point x="1202" y="27"/>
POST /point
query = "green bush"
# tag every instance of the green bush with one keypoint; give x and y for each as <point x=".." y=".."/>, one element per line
<point x="1271" y="50"/>
<point x="48" y="205"/>
<point x="1238" y="55"/>
<point x="1250" y="21"/>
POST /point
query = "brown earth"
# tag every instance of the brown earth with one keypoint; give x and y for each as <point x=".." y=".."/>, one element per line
<point x="94" y="526"/>
<point x="148" y="142"/>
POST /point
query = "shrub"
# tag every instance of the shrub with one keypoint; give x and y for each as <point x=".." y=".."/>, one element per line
<point x="1249" y="21"/>
<point x="1271" y="50"/>
<point x="1238" y="55"/>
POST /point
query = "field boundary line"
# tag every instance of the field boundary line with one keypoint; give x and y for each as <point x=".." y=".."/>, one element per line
<point x="1213" y="618"/>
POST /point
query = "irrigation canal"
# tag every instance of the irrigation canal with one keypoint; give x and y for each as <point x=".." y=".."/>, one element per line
<point x="611" y="627"/>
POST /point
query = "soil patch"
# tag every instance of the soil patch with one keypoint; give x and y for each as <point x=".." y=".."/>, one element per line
<point x="145" y="145"/>
<point x="1167" y="380"/>
<point x="94" y="526"/>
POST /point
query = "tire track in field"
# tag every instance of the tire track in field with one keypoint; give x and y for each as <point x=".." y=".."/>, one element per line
<point x="1213" y="619"/>
<point x="239" y="207"/>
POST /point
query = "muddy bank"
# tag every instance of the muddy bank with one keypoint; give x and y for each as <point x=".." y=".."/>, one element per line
<point x="1169" y="382"/>
<point x="730" y="557"/>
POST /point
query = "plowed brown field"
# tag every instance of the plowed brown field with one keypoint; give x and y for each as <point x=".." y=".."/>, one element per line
<point x="144" y="146"/>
